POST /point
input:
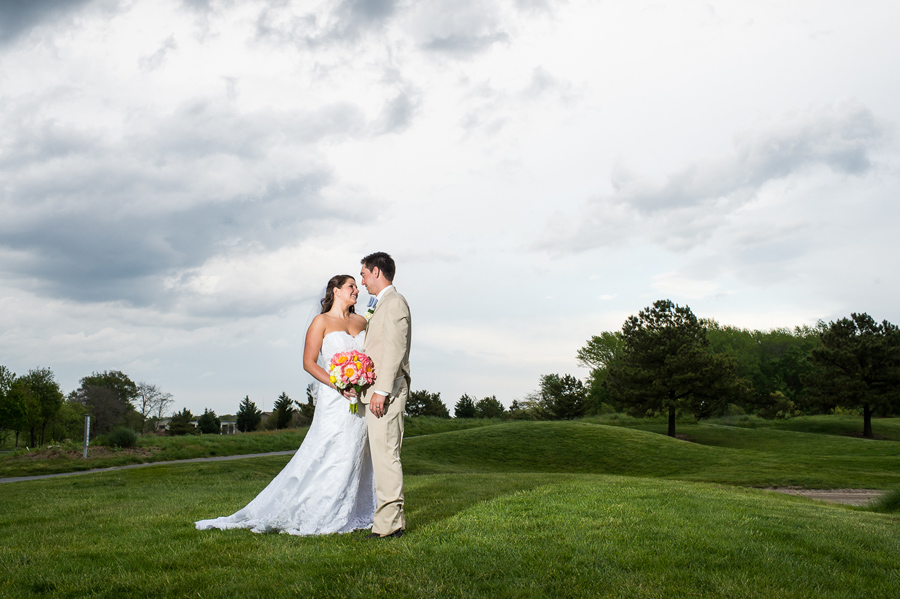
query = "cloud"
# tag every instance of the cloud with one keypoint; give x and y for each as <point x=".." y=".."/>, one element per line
<point x="458" y="28"/>
<point x="155" y="60"/>
<point x="91" y="216"/>
<point x="686" y="207"/>
<point x="18" y="18"/>
<point x="397" y="113"/>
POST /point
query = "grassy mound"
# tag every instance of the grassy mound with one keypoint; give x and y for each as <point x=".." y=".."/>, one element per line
<point x="757" y="457"/>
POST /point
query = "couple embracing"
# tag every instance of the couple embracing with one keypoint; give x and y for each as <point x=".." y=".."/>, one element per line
<point x="346" y="475"/>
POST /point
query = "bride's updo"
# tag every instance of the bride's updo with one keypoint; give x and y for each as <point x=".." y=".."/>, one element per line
<point x="335" y="282"/>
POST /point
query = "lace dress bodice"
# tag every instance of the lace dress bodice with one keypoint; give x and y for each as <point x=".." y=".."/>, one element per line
<point x="327" y="486"/>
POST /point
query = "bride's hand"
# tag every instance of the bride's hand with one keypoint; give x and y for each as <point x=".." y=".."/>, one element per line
<point x="349" y="393"/>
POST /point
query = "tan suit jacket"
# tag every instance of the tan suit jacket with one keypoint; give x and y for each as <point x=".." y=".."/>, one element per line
<point x="388" y="337"/>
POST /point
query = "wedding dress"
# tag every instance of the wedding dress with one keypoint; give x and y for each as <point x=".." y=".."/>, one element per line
<point x="327" y="486"/>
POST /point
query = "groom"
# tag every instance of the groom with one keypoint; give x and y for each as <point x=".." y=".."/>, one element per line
<point x="387" y="343"/>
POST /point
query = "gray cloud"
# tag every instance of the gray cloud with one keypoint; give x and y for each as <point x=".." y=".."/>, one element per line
<point x="155" y="60"/>
<point x="397" y="114"/>
<point x="465" y="44"/>
<point x="18" y="17"/>
<point x="92" y="217"/>
<point x="690" y="204"/>
<point x="347" y="22"/>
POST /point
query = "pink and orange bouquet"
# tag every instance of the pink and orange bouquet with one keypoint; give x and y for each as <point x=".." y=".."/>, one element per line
<point x="351" y="369"/>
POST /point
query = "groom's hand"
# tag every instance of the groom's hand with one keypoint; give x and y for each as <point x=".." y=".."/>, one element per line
<point x="376" y="404"/>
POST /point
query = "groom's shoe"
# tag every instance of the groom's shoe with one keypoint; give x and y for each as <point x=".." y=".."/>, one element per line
<point x="394" y="535"/>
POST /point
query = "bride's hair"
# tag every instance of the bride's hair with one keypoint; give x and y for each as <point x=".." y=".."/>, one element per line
<point x="335" y="282"/>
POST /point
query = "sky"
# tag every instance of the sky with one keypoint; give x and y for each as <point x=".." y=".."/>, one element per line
<point x="179" y="178"/>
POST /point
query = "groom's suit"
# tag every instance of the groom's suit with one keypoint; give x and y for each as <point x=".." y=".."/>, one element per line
<point x="388" y="338"/>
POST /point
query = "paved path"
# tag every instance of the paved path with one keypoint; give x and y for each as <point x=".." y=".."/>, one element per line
<point x="15" y="479"/>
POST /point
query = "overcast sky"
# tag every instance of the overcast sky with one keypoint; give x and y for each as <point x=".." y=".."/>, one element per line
<point x="179" y="178"/>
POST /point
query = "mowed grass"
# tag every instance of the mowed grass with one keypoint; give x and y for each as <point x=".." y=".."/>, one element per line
<point x="520" y="509"/>
<point x="130" y="533"/>
<point x="715" y="453"/>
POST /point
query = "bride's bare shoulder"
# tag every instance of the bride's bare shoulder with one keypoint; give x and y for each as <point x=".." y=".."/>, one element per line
<point x="357" y="324"/>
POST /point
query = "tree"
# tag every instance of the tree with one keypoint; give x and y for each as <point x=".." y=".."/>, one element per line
<point x="775" y="363"/>
<point x="860" y="362"/>
<point x="208" y="423"/>
<point x="106" y="409"/>
<point x="423" y="403"/>
<point x="563" y="397"/>
<point x="307" y="410"/>
<point x="529" y="408"/>
<point x="181" y="423"/>
<point x="13" y="408"/>
<point x="48" y="399"/>
<point x="108" y="396"/>
<point x="600" y="352"/>
<point x="150" y="400"/>
<point x="248" y="416"/>
<point x="283" y="411"/>
<point x="666" y="366"/>
<point x="465" y="407"/>
<point x="489" y="407"/>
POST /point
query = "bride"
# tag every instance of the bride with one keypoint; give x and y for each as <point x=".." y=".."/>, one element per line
<point x="327" y="486"/>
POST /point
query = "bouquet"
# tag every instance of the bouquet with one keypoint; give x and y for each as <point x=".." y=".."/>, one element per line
<point x="351" y="369"/>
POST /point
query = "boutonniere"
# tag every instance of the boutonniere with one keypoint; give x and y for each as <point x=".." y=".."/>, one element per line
<point x="373" y="301"/>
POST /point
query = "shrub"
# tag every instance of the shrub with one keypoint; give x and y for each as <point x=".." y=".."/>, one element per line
<point x="123" y="437"/>
<point x="100" y="441"/>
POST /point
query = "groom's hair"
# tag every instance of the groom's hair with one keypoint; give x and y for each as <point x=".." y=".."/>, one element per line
<point x="384" y="263"/>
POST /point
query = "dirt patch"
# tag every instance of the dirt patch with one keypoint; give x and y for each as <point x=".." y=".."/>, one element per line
<point x="858" y="497"/>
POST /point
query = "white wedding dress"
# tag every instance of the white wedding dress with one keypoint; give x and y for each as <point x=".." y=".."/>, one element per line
<point x="328" y="486"/>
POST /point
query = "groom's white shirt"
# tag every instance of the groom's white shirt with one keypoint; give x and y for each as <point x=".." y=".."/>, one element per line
<point x="378" y="299"/>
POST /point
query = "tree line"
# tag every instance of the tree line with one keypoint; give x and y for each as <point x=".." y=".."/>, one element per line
<point x="33" y="405"/>
<point x="667" y="361"/>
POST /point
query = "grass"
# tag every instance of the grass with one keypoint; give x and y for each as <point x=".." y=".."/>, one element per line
<point x="518" y="510"/>
<point x="152" y="448"/>
<point x="757" y="457"/>
<point x="130" y="533"/>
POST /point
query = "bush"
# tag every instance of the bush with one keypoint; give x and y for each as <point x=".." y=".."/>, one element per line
<point x="122" y="437"/>
<point x="100" y="441"/>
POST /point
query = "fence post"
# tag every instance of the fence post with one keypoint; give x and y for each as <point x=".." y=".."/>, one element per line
<point x="87" y="433"/>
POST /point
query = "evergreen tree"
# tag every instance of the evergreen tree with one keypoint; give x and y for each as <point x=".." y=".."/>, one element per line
<point x="208" y="423"/>
<point x="307" y="410"/>
<point x="563" y="397"/>
<point x="283" y="411"/>
<point x="465" y="407"/>
<point x="248" y="416"/>
<point x="860" y="366"/>
<point x="182" y="424"/>
<point x="489" y="407"/>
<point x="666" y="366"/>
<point x="423" y="403"/>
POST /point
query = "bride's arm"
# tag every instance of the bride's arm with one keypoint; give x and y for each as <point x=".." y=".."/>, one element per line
<point x="314" y="336"/>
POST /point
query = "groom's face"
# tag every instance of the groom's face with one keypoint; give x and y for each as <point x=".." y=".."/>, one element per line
<point x="369" y="280"/>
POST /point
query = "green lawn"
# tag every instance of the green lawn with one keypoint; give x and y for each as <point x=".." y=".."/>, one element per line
<point x="521" y="509"/>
